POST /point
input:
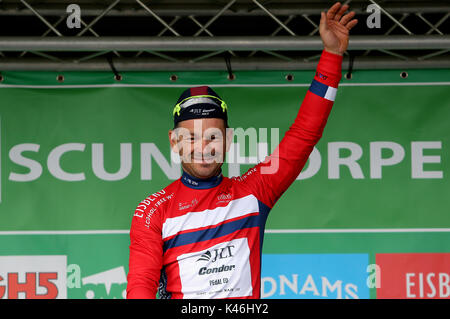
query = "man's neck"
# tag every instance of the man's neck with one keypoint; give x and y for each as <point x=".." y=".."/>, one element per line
<point x="201" y="183"/>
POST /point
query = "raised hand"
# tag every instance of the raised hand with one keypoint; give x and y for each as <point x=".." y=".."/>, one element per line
<point x="334" y="28"/>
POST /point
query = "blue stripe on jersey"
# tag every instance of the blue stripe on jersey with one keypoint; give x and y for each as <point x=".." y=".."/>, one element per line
<point x="323" y="90"/>
<point x="218" y="231"/>
<point x="264" y="213"/>
<point x="318" y="88"/>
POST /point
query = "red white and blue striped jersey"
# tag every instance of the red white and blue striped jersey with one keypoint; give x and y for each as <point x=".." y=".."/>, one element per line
<point x="201" y="238"/>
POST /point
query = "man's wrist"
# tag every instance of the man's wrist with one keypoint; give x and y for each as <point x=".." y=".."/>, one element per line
<point x="330" y="68"/>
<point x="333" y="51"/>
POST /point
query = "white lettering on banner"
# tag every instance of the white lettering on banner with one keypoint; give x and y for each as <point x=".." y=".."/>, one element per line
<point x="273" y="287"/>
<point x="327" y="286"/>
<point x="335" y="161"/>
<point x="409" y="285"/>
<point x="148" y="150"/>
<point x="309" y="285"/>
<point x="285" y="281"/>
<point x="426" y="282"/>
<point x="444" y="285"/>
<point x="53" y="162"/>
<point x="98" y="166"/>
<point x="315" y="161"/>
<point x="172" y="168"/>
<point x="377" y="162"/>
<point x="15" y="155"/>
<point x="418" y="159"/>
<point x="270" y="286"/>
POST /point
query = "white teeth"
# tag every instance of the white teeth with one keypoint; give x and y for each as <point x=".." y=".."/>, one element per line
<point x="200" y="158"/>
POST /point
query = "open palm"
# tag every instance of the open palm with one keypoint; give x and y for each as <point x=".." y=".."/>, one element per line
<point x="335" y="26"/>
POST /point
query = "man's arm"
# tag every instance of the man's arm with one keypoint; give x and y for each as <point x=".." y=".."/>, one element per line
<point x="270" y="179"/>
<point x="146" y="253"/>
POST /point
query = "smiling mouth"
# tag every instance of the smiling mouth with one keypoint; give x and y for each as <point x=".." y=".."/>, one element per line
<point x="207" y="160"/>
<point x="204" y="160"/>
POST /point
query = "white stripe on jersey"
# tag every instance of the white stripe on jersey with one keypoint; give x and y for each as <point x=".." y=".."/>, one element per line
<point x="235" y="208"/>
<point x="331" y="93"/>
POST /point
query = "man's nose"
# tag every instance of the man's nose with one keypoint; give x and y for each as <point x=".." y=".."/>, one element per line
<point x="204" y="147"/>
<point x="201" y="145"/>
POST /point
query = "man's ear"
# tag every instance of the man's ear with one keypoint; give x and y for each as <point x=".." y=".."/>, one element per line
<point x="229" y="137"/>
<point x="173" y="139"/>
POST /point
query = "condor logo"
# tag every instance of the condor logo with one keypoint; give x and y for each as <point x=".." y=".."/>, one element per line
<point x="207" y="271"/>
<point x="33" y="277"/>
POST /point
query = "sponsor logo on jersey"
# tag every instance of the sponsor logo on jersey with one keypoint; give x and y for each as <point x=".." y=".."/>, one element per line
<point x="207" y="271"/>
<point x="220" y="271"/>
<point x="217" y="253"/>
<point x="186" y="205"/>
<point x="224" y="198"/>
<point x="321" y="76"/>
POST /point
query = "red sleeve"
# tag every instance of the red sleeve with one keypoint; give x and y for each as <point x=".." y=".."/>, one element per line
<point x="270" y="179"/>
<point x="146" y="254"/>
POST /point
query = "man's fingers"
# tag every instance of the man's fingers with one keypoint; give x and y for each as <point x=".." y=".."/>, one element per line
<point x="341" y="12"/>
<point x="323" y="22"/>
<point x="323" y="18"/>
<point x="351" y="24"/>
<point x="333" y="10"/>
<point x="345" y="19"/>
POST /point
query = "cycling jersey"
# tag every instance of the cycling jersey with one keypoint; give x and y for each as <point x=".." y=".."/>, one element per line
<point x="202" y="238"/>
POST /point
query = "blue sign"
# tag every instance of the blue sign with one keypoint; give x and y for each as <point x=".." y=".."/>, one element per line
<point x="315" y="276"/>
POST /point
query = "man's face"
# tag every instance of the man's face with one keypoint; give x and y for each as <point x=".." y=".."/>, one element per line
<point x="201" y="144"/>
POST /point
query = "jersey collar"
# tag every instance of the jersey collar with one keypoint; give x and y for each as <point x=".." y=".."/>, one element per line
<point x="200" y="183"/>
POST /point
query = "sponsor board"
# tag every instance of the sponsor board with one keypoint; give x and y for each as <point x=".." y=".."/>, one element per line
<point x="109" y="284"/>
<point x="314" y="276"/>
<point x="33" y="277"/>
<point x="92" y="266"/>
<point x="414" y="276"/>
<point x="49" y="277"/>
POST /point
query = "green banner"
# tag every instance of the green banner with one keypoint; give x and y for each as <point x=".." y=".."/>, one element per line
<point x="77" y="157"/>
